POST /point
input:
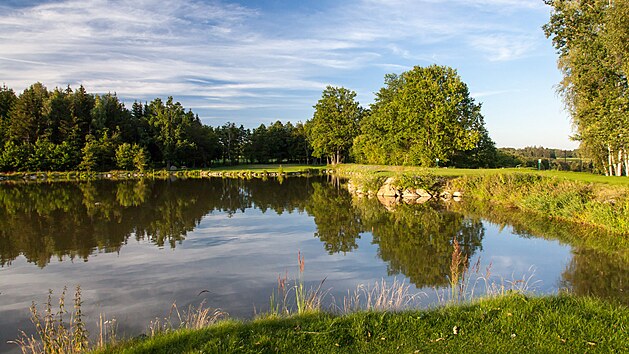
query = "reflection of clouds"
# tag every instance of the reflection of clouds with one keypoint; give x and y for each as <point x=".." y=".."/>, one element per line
<point x="514" y="257"/>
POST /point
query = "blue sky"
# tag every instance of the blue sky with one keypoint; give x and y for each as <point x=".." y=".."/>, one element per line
<point x="253" y="62"/>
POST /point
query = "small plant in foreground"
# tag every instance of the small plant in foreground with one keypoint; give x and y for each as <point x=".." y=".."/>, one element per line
<point x="55" y="334"/>
<point x="380" y="297"/>
<point x="192" y="318"/>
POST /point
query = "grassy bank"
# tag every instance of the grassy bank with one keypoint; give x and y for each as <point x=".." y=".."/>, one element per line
<point x="237" y="171"/>
<point x="505" y="324"/>
<point x="387" y="171"/>
<point x="582" y="198"/>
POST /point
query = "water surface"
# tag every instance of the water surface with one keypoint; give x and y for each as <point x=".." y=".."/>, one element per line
<point x="135" y="247"/>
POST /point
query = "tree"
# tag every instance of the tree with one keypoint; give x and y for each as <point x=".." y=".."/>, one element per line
<point x="420" y="117"/>
<point x="169" y="123"/>
<point x="334" y="124"/>
<point x="7" y="100"/>
<point x="130" y="156"/>
<point x="591" y="39"/>
<point x="27" y="121"/>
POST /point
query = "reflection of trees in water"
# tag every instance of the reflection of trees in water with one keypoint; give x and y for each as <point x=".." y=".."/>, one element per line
<point x="594" y="274"/>
<point x="338" y="222"/>
<point x="599" y="266"/>
<point x="415" y="240"/>
<point x="41" y="221"/>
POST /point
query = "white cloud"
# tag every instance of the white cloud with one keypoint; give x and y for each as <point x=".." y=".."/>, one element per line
<point x="503" y="47"/>
<point x="215" y="51"/>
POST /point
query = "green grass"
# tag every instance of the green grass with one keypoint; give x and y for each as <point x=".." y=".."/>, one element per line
<point x="508" y="324"/>
<point x="576" y="197"/>
<point x="229" y="171"/>
<point x="288" y="168"/>
<point x="348" y="169"/>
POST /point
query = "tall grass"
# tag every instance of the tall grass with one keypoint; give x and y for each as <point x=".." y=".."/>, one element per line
<point x="191" y="318"/>
<point x="56" y="335"/>
<point x="382" y="296"/>
<point x="570" y="200"/>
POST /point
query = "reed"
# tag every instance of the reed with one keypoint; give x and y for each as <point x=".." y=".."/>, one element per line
<point x="192" y="318"/>
<point x="55" y="335"/>
<point x="382" y="296"/>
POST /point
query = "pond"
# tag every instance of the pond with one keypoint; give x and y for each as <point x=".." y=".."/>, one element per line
<point x="136" y="247"/>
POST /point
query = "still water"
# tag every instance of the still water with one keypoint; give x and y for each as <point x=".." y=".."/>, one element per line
<point x="135" y="247"/>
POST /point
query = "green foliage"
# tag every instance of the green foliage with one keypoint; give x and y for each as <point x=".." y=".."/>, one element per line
<point x="99" y="155"/>
<point x="335" y="124"/>
<point x="61" y="129"/>
<point x="423" y="115"/>
<point x="591" y="39"/>
<point x="130" y="157"/>
<point x="553" y="197"/>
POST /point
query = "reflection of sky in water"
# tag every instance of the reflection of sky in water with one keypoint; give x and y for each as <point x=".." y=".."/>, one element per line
<point x="238" y="260"/>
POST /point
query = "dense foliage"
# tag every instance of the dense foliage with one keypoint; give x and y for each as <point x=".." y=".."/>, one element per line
<point x="59" y="130"/>
<point x="425" y="116"/>
<point x="334" y="124"/>
<point x="592" y="40"/>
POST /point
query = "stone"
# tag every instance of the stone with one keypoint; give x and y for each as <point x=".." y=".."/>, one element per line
<point x="423" y="193"/>
<point x="388" y="190"/>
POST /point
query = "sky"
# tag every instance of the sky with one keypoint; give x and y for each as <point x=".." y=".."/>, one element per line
<point x="253" y="62"/>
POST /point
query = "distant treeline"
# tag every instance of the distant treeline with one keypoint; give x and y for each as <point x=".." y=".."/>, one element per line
<point x="65" y="129"/>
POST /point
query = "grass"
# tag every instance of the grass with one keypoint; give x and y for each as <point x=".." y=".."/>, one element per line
<point x="286" y="168"/>
<point x="514" y="323"/>
<point x="384" y="170"/>
<point x="239" y="171"/>
<point x="576" y="197"/>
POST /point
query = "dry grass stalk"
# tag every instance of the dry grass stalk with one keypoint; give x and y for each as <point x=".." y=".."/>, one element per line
<point x="192" y="318"/>
<point x="54" y="336"/>
<point x="380" y="297"/>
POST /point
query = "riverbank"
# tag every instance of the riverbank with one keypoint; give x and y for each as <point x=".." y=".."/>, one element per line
<point x="493" y="325"/>
<point x="581" y="198"/>
<point x="237" y="171"/>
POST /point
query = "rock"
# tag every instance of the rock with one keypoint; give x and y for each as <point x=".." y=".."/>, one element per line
<point x="410" y="199"/>
<point x="423" y="193"/>
<point x="388" y="190"/>
<point x="388" y="202"/>
<point x="457" y="194"/>
<point x="422" y="200"/>
<point x="173" y="168"/>
<point x="409" y="193"/>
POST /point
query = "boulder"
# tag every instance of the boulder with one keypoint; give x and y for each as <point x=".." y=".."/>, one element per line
<point x="423" y="193"/>
<point x="388" y="202"/>
<point x="388" y="190"/>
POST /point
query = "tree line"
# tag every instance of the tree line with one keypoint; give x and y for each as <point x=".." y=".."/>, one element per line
<point x="66" y="129"/>
<point x="592" y="40"/>
<point x="421" y="117"/>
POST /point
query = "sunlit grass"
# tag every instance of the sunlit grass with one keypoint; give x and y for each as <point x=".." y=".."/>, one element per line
<point x="515" y="323"/>
<point x="456" y="172"/>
